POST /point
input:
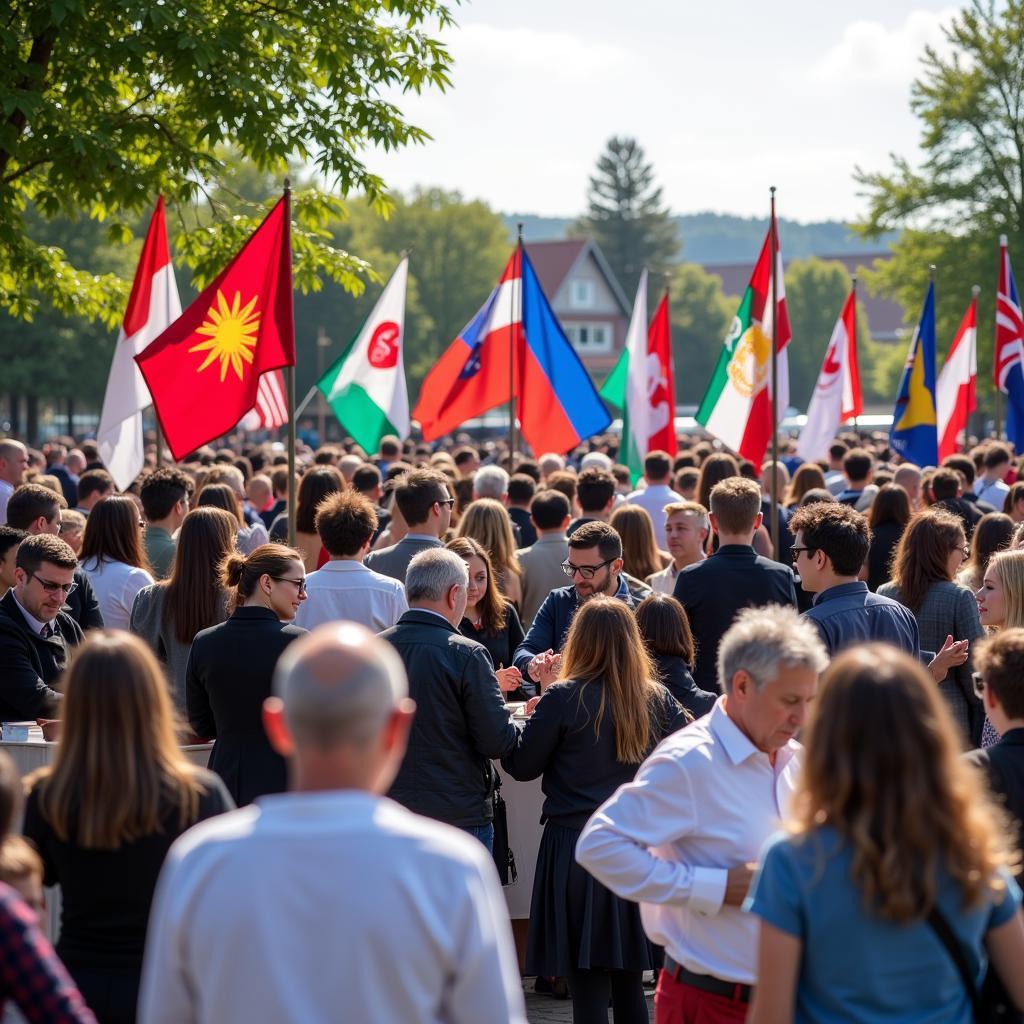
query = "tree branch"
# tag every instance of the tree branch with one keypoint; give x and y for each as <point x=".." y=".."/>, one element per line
<point x="38" y="58"/>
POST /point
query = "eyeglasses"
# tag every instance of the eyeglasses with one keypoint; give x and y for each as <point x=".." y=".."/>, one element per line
<point x="588" y="572"/>
<point x="979" y="684"/>
<point x="301" y="584"/>
<point x="52" y="588"/>
<point x="450" y="502"/>
<point x="794" y="553"/>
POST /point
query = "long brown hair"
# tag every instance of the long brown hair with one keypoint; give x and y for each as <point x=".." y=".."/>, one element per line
<point x="316" y="485"/>
<point x="194" y="597"/>
<point x="221" y="496"/>
<point x="485" y="520"/>
<point x="882" y="767"/>
<point x="240" y="574"/>
<point x="604" y="649"/>
<point x="890" y="505"/>
<point x="112" y="533"/>
<point x="922" y="555"/>
<point x="993" y="532"/>
<point x="807" y="477"/>
<point x="118" y="767"/>
<point x="665" y="628"/>
<point x="718" y="466"/>
<point x="640" y="554"/>
<point x="492" y="606"/>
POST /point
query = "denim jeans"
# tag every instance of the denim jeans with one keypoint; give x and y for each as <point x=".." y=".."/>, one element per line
<point x="485" y="833"/>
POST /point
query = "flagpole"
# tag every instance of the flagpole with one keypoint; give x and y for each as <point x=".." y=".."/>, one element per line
<point x="775" y="380"/>
<point x="289" y="387"/>
<point x="513" y="319"/>
<point x="159" y="440"/>
<point x="972" y="361"/>
<point x="853" y="340"/>
<point x="310" y="394"/>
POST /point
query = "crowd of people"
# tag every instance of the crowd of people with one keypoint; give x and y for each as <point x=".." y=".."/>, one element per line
<point x="776" y="712"/>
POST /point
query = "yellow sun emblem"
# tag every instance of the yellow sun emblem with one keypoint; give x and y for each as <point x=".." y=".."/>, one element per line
<point x="231" y="331"/>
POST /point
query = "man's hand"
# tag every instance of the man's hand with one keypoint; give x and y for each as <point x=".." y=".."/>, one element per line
<point x="509" y="679"/>
<point x="953" y="653"/>
<point x="547" y="672"/>
<point x="535" y="664"/>
<point x="738" y="885"/>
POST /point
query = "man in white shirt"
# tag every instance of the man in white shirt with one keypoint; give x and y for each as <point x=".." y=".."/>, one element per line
<point x="683" y="837"/>
<point x="991" y="486"/>
<point x="13" y="464"/>
<point x="344" y="588"/>
<point x="686" y="532"/>
<point x="331" y="902"/>
<point x="657" y="493"/>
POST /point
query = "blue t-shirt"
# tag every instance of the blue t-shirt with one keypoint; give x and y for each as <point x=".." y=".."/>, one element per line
<point x="857" y="966"/>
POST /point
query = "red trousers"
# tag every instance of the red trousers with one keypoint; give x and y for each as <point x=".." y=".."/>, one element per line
<point x="675" y="1002"/>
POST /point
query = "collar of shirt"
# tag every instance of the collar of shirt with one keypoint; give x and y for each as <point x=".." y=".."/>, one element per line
<point x="325" y="806"/>
<point x="737" y="744"/>
<point x="421" y="536"/>
<point x="343" y="565"/>
<point x="621" y="592"/>
<point x="36" y="624"/>
<point x="841" y="590"/>
<point x="255" y="612"/>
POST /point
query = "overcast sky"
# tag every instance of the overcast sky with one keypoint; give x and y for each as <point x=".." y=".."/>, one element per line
<point x="726" y="97"/>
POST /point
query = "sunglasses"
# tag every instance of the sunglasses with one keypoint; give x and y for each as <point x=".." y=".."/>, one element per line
<point x="301" y="584"/>
<point x="51" y="588"/>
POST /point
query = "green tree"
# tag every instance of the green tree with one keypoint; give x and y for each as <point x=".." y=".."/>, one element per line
<point x="106" y="103"/>
<point x="701" y="315"/>
<point x="625" y="214"/>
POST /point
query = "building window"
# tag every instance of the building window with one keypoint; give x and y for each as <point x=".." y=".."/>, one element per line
<point x="581" y="294"/>
<point x="590" y="338"/>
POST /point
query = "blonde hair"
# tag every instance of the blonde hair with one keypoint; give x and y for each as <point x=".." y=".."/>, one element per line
<point x="118" y="766"/>
<point x="640" y="554"/>
<point x="486" y="521"/>
<point x="1009" y="567"/>
<point x="882" y="767"/>
<point x="604" y="648"/>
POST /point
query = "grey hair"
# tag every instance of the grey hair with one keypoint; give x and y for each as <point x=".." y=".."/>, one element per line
<point x="490" y="482"/>
<point x="760" y="640"/>
<point x="550" y="462"/>
<point x="339" y="685"/>
<point x="432" y="573"/>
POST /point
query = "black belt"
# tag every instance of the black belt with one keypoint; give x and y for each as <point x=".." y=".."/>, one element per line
<point x="707" y="983"/>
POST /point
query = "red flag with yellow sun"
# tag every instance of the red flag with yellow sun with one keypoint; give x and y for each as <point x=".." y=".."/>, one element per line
<point x="203" y="371"/>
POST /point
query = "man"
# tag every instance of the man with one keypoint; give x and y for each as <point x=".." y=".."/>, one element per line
<point x="521" y="491"/>
<point x="259" y="494"/>
<point x="908" y="476"/>
<point x="37" y="510"/>
<point x="343" y="588"/>
<point x="75" y="462"/>
<point x="734" y="577"/>
<point x="461" y="721"/>
<point x="595" y="495"/>
<point x="686" y="533"/>
<point x="91" y="454"/>
<point x="991" y="487"/>
<point x="657" y="493"/>
<point x="279" y="493"/>
<point x="93" y="486"/>
<point x="946" y="485"/>
<point x="964" y="465"/>
<point x="56" y="456"/>
<point x="364" y="911"/>
<point x="491" y="482"/>
<point x="467" y="461"/>
<point x="687" y="481"/>
<point x="36" y="637"/>
<point x="10" y="538"/>
<point x="367" y="481"/>
<point x="859" y="491"/>
<point x="541" y="562"/>
<point x="13" y="465"/>
<point x="682" y="839"/>
<point x="594" y="564"/>
<point x="835" y="479"/>
<point x="165" y="495"/>
<point x="422" y="498"/>
<point x="550" y="462"/>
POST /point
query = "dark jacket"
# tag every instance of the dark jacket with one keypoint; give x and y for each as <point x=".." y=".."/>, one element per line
<point x="268" y="517"/>
<point x="785" y="537"/>
<point x="965" y="510"/>
<point x="713" y="591"/>
<point x="82" y="604"/>
<point x="230" y="668"/>
<point x="30" y="665"/>
<point x="1003" y="763"/>
<point x="849" y="614"/>
<point x="884" y="538"/>
<point x="501" y="646"/>
<point x="553" y="619"/>
<point x="579" y="765"/>
<point x="68" y="483"/>
<point x="527" y="531"/>
<point x="461" y="722"/>
<point x="674" y="673"/>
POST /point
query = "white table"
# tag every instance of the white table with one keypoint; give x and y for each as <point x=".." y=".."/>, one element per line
<point x="523" y="802"/>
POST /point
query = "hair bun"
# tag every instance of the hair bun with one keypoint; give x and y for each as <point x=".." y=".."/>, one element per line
<point x="232" y="568"/>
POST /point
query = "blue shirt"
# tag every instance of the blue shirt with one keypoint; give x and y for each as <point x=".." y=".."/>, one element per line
<point x="850" y="614"/>
<point x="855" y="965"/>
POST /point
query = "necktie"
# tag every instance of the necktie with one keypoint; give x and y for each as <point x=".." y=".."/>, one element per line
<point x="47" y="631"/>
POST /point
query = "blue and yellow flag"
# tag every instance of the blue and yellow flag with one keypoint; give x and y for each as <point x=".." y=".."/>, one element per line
<point x="914" y="434"/>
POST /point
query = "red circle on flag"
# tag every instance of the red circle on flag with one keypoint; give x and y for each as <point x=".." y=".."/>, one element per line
<point x="383" y="350"/>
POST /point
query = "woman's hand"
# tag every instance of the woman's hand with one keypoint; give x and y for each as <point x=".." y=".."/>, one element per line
<point x="953" y="653"/>
<point x="531" y="704"/>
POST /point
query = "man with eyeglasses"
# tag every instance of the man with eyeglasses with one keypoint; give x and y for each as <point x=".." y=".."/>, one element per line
<point x="595" y="567"/>
<point x="35" y="635"/>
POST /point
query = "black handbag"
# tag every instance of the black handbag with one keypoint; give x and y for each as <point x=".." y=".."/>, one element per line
<point x="504" y="858"/>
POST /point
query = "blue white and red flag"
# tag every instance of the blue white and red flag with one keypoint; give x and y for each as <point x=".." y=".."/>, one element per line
<point x="556" y="404"/>
<point x="1008" y="363"/>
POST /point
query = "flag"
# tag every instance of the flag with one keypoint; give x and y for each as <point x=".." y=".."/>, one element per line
<point x="557" y="406"/>
<point x="954" y="393"/>
<point x="271" y="406"/>
<point x="737" y="406"/>
<point x="836" y="397"/>
<point x="204" y="370"/>
<point x="1009" y="355"/>
<point x="365" y="388"/>
<point x="914" y="432"/>
<point x="641" y="385"/>
<point x="152" y="307"/>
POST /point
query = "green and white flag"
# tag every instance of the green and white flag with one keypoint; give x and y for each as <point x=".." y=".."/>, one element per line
<point x="365" y="388"/>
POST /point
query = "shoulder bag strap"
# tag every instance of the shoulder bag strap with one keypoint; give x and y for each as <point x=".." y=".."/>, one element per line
<point x="945" y="934"/>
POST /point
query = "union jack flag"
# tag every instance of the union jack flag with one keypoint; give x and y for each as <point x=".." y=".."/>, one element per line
<point x="1008" y="361"/>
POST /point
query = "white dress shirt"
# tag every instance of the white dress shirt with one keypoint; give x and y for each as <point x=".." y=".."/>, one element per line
<point x="37" y="624"/>
<point x="332" y="906"/>
<point x="653" y="499"/>
<point x="706" y="800"/>
<point x="6" y="490"/>
<point x="663" y="582"/>
<point x="346" y="589"/>
<point x="116" y="585"/>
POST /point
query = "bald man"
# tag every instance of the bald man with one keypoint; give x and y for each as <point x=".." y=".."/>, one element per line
<point x="13" y="464"/>
<point x="331" y="901"/>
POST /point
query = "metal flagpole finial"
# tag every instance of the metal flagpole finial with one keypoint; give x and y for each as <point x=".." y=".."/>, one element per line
<point x="287" y="185"/>
<point x="853" y="284"/>
<point x="519" y="233"/>
<point x="931" y="271"/>
<point x="975" y="290"/>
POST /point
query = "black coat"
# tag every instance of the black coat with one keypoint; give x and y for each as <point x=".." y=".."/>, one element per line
<point x="713" y="591"/>
<point x="527" y="531"/>
<point x="30" y="665"/>
<point x="884" y="538"/>
<point x="1003" y="763"/>
<point x="461" y="721"/>
<point x="230" y="668"/>
<point x="82" y="604"/>
<point x="501" y="646"/>
<point x="676" y="676"/>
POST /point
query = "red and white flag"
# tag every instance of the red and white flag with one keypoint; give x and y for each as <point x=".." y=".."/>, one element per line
<point x="271" y="401"/>
<point x="152" y="307"/>
<point x="836" y="397"/>
<point x="955" y="398"/>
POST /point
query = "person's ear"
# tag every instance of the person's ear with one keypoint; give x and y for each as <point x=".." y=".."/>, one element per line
<point x="989" y="700"/>
<point x="759" y="520"/>
<point x="20" y="575"/>
<point x="741" y="683"/>
<point x="396" y="730"/>
<point x="713" y="521"/>
<point x="617" y="566"/>
<point x="276" y="728"/>
<point x="452" y="597"/>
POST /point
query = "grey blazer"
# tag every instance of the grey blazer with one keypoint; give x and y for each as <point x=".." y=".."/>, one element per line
<point x="394" y="561"/>
<point x="541" y="563"/>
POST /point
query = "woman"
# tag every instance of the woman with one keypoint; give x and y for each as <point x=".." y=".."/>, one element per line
<point x="489" y="618"/>
<point x="168" y="614"/>
<point x="487" y="522"/>
<point x="115" y="559"/>
<point x="889" y="827"/>
<point x="640" y="555"/>
<point x="223" y="495"/>
<point x="1013" y="503"/>
<point x="926" y="562"/>
<point x="807" y="477"/>
<point x="665" y="629"/>
<point x="993" y="532"/>
<point x="890" y="513"/>
<point x="316" y="485"/>
<point x="716" y="467"/>
<point x="103" y="815"/>
<point x="588" y="735"/>
<point x="231" y="666"/>
<point x="1001" y="604"/>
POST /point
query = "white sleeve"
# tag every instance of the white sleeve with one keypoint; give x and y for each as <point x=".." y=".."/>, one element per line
<point x="657" y="807"/>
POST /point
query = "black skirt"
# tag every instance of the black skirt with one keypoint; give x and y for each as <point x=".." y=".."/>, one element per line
<point x="575" y="922"/>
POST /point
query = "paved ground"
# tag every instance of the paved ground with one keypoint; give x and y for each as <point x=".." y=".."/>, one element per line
<point x="543" y="1009"/>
